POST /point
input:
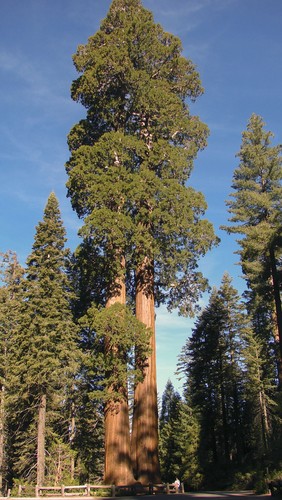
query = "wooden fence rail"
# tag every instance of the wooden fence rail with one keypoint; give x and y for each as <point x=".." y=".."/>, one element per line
<point x="85" y="489"/>
<point x="69" y="490"/>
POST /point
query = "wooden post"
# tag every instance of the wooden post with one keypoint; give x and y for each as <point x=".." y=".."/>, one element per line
<point x="37" y="491"/>
<point x="62" y="490"/>
<point x="88" y="490"/>
<point x="113" y="490"/>
<point x="41" y="430"/>
<point x="167" y="488"/>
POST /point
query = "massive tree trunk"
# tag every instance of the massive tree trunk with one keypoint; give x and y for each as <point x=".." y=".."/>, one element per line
<point x="41" y="441"/>
<point x="145" y="412"/>
<point x="118" y="465"/>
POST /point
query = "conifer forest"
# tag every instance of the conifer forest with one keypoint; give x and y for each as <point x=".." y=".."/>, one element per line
<point x="78" y="399"/>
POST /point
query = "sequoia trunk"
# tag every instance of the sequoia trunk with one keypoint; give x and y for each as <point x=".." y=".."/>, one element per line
<point x="145" y="413"/>
<point x="118" y="465"/>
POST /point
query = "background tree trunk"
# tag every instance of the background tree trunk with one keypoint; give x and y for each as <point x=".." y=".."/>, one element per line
<point x="41" y="441"/>
<point x="264" y="420"/>
<point x="278" y="310"/>
<point x="72" y="436"/>
<point x="145" y="412"/>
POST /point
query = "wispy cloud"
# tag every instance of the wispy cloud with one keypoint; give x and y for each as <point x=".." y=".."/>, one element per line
<point x="41" y="110"/>
<point x="21" y="68"/>
<point x="185" y="16"/>
<point x="38" y="83"/>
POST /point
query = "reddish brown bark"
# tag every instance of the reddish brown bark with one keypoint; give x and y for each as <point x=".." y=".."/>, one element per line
<point x="144" y="442"/>
<point x="118" y="464"/>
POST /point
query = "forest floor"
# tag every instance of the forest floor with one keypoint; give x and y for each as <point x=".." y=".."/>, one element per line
<point x="212" y="495"/>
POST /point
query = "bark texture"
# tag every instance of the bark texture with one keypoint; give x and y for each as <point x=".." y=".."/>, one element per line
<point x="145" y="413"/>
<point x="118" y="464"/>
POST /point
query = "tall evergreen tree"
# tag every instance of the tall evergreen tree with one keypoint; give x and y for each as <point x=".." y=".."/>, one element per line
<point x="130" y="160"/>
<point x="11" y="296"/>
<point x="215" y="392"/>
<point x="259" y="395"/>
<point x="234" y="328"/>
<point x="179" y="439"/>
<point x="170" y="398"/>
<point x="46" y="359"/>
<point x="256" y="209"/>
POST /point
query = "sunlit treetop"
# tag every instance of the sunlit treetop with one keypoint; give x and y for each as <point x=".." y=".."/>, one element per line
<point x="132" y="155"/>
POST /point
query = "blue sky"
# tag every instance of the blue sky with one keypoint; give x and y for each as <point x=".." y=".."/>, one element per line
<point x="237" y="48"/>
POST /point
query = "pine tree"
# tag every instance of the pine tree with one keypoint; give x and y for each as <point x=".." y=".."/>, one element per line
<point x="46" y="347"/>
<point x="170" y="398"/>
<point x="87" y="276"/>
<point x="207" y="348"/>
<point x="11" y="296"/>
<point x="179" y="439"/>
<point x="130" y="160"/>
<point x="256" y="215"/>
<point x="234" y="328"/>
<point x="259" y="395"/>
<point x="215" y="392"/>
<point x="87" y="437"/>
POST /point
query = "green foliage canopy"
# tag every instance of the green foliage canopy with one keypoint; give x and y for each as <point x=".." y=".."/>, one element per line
<point x="114" y="337"/>
<point x="256" y="203"/>
<point x="133" y="154"/>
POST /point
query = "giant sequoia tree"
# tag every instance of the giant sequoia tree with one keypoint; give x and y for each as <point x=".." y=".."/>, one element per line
<point x="256" y="207"/>
<point x="130" y="161"/>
